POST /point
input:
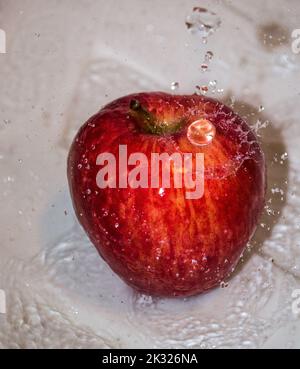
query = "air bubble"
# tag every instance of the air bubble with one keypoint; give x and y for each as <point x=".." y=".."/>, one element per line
<point x="201" y="132"/>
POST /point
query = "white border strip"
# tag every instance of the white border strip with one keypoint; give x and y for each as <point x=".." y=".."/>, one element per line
<point x="2" y="302"/>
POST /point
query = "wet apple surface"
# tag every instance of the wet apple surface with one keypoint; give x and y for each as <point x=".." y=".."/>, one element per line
<point x="156" y="238"/>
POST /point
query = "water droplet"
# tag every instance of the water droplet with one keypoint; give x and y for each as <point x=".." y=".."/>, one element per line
<point x="203" y="89"/>
<point x="199" y="9"/>
<point x="223" y="284"/>
<point x="79" y="166"/>
<point x="8" y="179"/>
<point x="174" y="86"/>
<point x="204" y="67"/>
<point x="88" y="191"/>
<point x="208" y="56"/>
<point x="201" y="132"/>
<point x="261" y="108"/>
<point x="117" y="225"/>
<point x="213" y="83"/>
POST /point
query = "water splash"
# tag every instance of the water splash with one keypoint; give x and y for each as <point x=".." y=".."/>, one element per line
<point x="203" y="23"/>
<point x="259" y="125"/>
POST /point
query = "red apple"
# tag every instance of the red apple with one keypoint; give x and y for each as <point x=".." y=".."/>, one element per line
<point x="156" y="239"/>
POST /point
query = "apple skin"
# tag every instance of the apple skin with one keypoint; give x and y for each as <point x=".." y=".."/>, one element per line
<point x="162" y="243"/>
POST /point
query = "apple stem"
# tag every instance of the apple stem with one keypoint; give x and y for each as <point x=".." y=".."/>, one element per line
<point x="143" y="117"/>
<point x="149" y="123"/>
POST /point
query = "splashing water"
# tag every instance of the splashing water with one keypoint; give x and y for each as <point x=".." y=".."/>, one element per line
<point x="203" y="22"/>
<point x="259" y="125"/>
